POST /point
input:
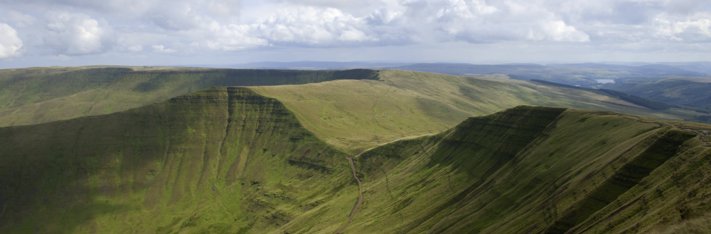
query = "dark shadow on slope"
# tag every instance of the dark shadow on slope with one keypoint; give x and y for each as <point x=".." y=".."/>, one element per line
<point x="624" y="179"/>
<point x="57" y="176"/>
<point x="480" y="146"/>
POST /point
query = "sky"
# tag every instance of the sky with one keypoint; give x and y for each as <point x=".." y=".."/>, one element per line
<point x="224" y="32"/>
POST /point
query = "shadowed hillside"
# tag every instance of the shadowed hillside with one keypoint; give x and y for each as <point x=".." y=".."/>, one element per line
<point x="223" y="160"/>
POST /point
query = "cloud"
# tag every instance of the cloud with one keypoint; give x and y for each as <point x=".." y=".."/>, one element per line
<point x="478" y="21"/>
<point x="558" y="30"/>
<point x="311" y="26"/>
<point x="10" y="43"/>
<point x="693" y="29"/>
<point x="232" y="37"/>
<point x="220" y="27"/>
<point x="290" y="26"/>
<point x="76" y="34"/>
<point x="162" y="49"/>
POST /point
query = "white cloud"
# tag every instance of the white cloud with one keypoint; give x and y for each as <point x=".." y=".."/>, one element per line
<point x="382" y="16"/>
<point x="232" y="37"/>
<point x="478" y="21"/>
<point x="10" y="43"/>
<point x="162" y="49"/>
<point x="211" y="27"/>
<point x="689" y="29"/>
<point x="311" y="26"/>
<point x="463" y="9"/>
<point x="558" y="30"/>
<point x="290" y="26"/>
<point x="76" y="34"/>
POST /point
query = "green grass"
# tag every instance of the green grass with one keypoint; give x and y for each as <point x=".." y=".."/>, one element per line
<point x="222" y="160"/>
<point x="229" y="160"/>
<point x="273" y="160"/>
<point x="39" y="95"/>
<point x="354" y="115"/>
<point x="354" y="110"/>
<point x="518" y="172"/>
<point x="664" y="147"/>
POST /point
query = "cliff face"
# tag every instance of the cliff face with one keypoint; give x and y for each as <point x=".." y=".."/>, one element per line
<point x="196" y="162"/>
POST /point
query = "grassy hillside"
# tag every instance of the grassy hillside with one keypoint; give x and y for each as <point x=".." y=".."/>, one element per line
<point x="38" y="95"/>
<point x="353" y="110"/>
<point x="223" y="160"/>
<point x="229" y="160"/>
<point x="533" y="170"/>
<point x="355" y="115"/>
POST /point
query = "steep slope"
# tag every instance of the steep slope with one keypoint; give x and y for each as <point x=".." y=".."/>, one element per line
<point x="533" y="170"/>
<point x="356" y="115"/>
<point x="38" y="95"/>
<point x="229" y="160"/>
<point x="223" y="160"/>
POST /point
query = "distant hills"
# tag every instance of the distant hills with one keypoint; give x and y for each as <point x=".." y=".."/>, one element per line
<point x="681" y="84"/>
<point x="38" y="95"/>
<point x="358" y="114"/>
<point x="351" y="109"/>
<point x="584" y="75"/>
<point x="692" y="93"/>
<point x="577" y="74"/>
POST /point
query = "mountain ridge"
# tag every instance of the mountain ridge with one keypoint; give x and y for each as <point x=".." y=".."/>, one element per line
<point x="231" y="160"/>
<point x="185" y="156"/>
<point x="464" y="219"/>
<point x="31" y="96"/>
